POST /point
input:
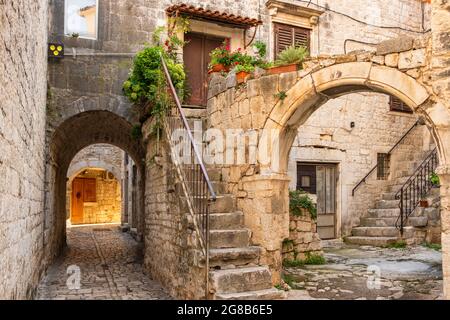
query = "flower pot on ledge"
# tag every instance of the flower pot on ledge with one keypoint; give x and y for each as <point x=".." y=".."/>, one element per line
<point x="218" y="68"/>
<point x="241" y="76"/>
<point x="282" y="69"/>
<point x="423" y="203"/>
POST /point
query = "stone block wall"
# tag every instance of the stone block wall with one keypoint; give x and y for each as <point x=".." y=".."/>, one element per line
<point x="303" y="237"/>
<point x="23" y="65"/>
<point x="171" y="244"/>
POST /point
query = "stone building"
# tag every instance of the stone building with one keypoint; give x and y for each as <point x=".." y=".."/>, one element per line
<point x="85" y="106"/>
<point x="22" y="145"/>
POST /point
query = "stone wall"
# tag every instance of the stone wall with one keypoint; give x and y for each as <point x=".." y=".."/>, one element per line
<point x="23" y="65"/>
<point x="328" y="137"/>
<point x="303" y="237"/>
<point x="171" y="243"/>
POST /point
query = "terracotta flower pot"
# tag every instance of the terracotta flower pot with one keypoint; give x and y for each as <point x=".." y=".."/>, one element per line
<point x="283" y="69"/>
<point x="423" y="203"/>
<point x="218" y="68"/>
<point x="241" y="76"/>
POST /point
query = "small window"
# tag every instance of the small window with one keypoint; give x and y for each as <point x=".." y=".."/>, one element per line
<point x="398" y="105"/>
<point x="306" y="178"/>
<point x="287" y="35"/>
<point x="81" y="18"/>
<point x="305" y="182"/>
<point x="383" y="164"/>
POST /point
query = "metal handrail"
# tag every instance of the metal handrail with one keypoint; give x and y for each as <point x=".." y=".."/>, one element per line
<point x="194" y="178"/>
<point x="389" y="152"/>
<point x="414" y="188"/>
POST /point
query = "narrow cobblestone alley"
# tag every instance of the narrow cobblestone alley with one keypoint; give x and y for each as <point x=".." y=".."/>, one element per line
<point x="110" y="265"/>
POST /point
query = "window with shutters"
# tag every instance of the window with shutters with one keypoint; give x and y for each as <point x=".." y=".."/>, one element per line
<point x="287" y="35"/>
<point x="398" y="105"/>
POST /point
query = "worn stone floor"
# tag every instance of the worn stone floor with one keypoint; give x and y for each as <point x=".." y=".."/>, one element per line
<point x="109" y="264"/>
<point x="369" y="273"/>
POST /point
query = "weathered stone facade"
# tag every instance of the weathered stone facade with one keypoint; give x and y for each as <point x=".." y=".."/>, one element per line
<point x="303" y="238"/>
<point x="23" y="66"/>
<point x="86" y="106"/>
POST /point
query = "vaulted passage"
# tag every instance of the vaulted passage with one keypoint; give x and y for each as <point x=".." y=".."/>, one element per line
<point x="81" y="206"/>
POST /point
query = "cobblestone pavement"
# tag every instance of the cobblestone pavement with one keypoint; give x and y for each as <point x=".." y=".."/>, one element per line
<point x="110" y="264"/>
<point x="351" y="272"/>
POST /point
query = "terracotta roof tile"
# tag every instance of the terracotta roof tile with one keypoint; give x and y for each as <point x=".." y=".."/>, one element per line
<point x="244" y="22"/>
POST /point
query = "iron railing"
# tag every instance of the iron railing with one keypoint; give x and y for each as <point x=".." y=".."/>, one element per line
<point x="194" y="179"/>
<point x="416" y="187"/>
<point x="388" y="154"/>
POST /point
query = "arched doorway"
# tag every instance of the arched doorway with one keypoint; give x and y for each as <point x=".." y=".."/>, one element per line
<point x="69" y="138"/>
<point x="305" y="96"/>
<point x="262" y="190"/>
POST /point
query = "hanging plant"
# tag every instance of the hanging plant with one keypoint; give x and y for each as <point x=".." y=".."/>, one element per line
<point x="146" y="85"/>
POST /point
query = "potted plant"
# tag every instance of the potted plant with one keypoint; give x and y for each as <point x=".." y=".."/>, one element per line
<point x="243" y="71"/>
<point x="220" y="59"/>
<point x="289" y="59"/>
<point x="423" y="203"/>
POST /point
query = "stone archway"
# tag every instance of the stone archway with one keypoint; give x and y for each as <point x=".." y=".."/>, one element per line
<point x="71" y="136"/>
<point x="262" y="188"/>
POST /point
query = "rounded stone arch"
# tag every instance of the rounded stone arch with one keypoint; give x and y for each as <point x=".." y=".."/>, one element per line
<point x="78" y="167"/>
<point x="71" y="136"/>
<point x="115" y="104"/>
<point x="315" y="89"/>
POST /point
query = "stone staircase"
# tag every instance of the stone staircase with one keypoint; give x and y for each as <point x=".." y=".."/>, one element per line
<point x="235" y="271"/>
<point x="377" y="227"/>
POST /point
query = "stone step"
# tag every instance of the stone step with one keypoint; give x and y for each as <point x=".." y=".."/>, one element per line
<point x="388" y="196"/>
<point x="240" y="279"/>
<point x="382" y="232"/>
<point x="390" y="222"/>
<point x="238" y="238"/>
<point x="382" y="213"/>
<point x="267" y="294"/>
<point x="226" y="221"/>
<point x="215" y="174"/>
<point x="223" y="203"/>
<point x="377" y="222"/>
<point x="387" y="204"/>
<point x="194" y="112"/>
<point x="371" y="241"/>
<point x="233" y="256"/>
<point x="218" y="187"/>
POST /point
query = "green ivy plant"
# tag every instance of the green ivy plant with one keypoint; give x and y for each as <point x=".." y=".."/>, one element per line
<point x="434" y="179"/>
<point x="261" y="48"/>
<point x="299" y="200"/>
<point x="146" y="85"/>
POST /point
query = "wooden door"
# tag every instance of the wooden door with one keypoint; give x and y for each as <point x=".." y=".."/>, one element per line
<point x="196" y="59"/>
<point x="77" y="202"/>
<point x="326" y="201"/>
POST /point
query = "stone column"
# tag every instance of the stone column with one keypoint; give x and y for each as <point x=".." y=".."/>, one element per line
<point x="444" y="176"/>
<point x="265" y="201"/>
